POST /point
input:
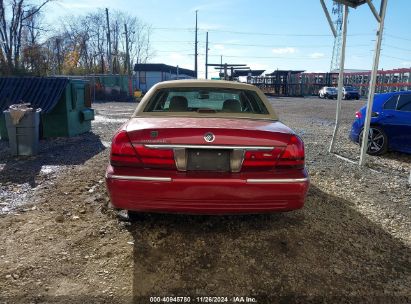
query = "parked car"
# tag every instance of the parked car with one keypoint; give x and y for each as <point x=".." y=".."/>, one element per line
<point x="328" y="92"/>
<point x="390" y="123"/>
<point x="211" y="147"/>
<point x="350" y="92"/>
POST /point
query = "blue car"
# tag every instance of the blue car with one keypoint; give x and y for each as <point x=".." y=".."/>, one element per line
<point x="390" y="123"/>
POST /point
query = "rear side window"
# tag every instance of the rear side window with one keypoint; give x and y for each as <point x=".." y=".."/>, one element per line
<point x="206" y="100"/>
<point x="404" y="103"/>
<point x="350" y="89"/>
<point x="391" y="103"/>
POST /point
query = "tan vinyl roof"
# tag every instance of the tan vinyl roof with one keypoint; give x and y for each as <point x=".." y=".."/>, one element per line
<point x="187" y="83"/>
<point x="190" y="83"/>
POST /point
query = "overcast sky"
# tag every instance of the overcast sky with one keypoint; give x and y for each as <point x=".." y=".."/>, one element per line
<point x="264" y="34"/>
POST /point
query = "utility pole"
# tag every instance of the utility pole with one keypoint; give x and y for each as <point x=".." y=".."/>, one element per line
<point x="127" y="51"/>
<point x="58" y="41"/>
<point x="225" y="71"/>
<point x="206" y="59"/>
<point x="195" y="50"/>
<point x="221" y="63"/>
<point x="110" y="68"/>
<point x="116" y="65"/>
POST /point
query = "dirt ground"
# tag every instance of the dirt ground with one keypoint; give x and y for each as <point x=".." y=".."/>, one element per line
<point x="351" y="243"/>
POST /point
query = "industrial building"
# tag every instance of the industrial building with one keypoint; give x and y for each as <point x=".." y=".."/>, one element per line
<point x="148" y="74"/>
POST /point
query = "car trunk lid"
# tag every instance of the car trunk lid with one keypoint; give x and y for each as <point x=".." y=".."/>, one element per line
<point x="209" y="144"/>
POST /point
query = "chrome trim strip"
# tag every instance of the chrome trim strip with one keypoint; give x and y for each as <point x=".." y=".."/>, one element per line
<point x="277" y="180"/>
<point x="168" y="179"/>
<point x="140" y="178"/>
<point x="208" y="147"/>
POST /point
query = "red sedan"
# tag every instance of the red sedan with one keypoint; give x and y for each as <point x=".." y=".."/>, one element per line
<point x="209" y="147"/>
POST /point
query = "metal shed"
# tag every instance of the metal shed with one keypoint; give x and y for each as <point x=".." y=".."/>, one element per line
<point x="62" y="100"/>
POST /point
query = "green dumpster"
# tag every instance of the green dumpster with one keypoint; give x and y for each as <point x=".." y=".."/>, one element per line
<point x="65" y="111"/>
<point x="67" y="118"/>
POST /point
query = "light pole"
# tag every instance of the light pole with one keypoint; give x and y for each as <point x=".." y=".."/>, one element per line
<point x="206" y="59"/>
<point x="195" y="50"/>
<point x="373" y="81"/>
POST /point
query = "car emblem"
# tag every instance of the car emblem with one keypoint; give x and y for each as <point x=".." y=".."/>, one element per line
<point x="209" y="137"/>
<point x="153" y="134"/>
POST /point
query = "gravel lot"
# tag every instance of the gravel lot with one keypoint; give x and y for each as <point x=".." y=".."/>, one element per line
<point x="351" y="243"/>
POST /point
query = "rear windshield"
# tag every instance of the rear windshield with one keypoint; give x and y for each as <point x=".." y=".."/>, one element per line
<point x="206" y="100"/>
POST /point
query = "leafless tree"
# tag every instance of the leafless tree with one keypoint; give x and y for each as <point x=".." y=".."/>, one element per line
<point x="13" y="20"/>
<point x="33" y="57"/>
<point x="78" y="46"/>
<point x="139" y="45"/>
<point x="98" y="39"/>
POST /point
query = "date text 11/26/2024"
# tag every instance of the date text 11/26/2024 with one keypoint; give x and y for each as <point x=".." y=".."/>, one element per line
<point x="172" y="299"/>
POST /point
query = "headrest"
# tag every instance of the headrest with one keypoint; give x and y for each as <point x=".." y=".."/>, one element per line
<point x="178" y="104"/>
<point x="231" y="105"/>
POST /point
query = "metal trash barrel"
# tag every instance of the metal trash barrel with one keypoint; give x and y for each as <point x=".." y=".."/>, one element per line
<point x="24" y="136"/>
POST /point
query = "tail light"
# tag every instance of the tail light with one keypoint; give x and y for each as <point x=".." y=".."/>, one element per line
<point x="124" y="153"/>
<point x="358" y="114"/>
<point x="259" y="159"/>
<point x="155" y="158"/>
<point x="293" y="155"/>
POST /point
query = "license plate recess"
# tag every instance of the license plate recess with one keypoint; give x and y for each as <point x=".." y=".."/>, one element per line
<point x="208" y="160"/>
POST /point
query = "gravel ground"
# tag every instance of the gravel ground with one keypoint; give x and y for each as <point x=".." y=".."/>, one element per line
<point x="349" y="244"/>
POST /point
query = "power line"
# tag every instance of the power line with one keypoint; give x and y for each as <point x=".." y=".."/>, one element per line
<point x="174" y="51"/>
<point x="398" y="58"/>
<point x="267" y="57"/>
<point x="174" y="29"/>
<point x="174" y="41"/>
<point x="256" y="33"/>
<point x="397" y="48"/>
<point x="182" y="52"/>
<point x="286" y="34"/>
<point x="277" y="46"/>
<point x="282" y="46"/>
<point x="270" y="34"/>
<point x="397" y="37"/>
<point x="252" y="45"/>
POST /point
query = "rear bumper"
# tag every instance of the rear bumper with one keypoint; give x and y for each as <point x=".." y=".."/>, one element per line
<point x="352" y="95"/>
<point x="207" y="195"/>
